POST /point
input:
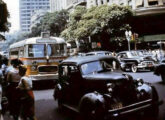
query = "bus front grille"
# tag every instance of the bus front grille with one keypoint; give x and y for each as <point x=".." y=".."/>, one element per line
<point x="47" y="69"/>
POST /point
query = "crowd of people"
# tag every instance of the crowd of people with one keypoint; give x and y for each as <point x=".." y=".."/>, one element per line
<point x="16" y="95"/>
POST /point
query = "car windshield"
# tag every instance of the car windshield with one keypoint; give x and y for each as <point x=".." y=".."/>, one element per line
<point x="132" y="54"/>
<point x="91" y="67"/>
<point x="139" y="53"/>
<point x="99" y="66"/>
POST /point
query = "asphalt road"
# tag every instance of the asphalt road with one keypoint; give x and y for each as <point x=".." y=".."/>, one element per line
<point x="46" y="107"/>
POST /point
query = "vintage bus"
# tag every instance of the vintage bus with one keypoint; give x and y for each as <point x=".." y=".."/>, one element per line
<point x="41" y="56"/>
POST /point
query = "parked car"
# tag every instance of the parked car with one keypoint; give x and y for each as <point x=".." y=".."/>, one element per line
<point x="99" y="53"/>
<point x="131" y="60"/>
<point x="147" y="54"/>
<point x="96" y="88"/>
<point x="160" y="70"/>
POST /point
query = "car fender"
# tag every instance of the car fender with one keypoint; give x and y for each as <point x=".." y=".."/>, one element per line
<point x="150" y="90"/>
<point x="91" y="101"/>
<point x="146" y="88"/>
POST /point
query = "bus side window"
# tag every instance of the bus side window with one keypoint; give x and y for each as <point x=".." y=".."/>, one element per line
<point x="14" y="54"/>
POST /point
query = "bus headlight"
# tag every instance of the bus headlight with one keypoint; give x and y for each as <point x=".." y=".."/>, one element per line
<point x="34" y="66"/>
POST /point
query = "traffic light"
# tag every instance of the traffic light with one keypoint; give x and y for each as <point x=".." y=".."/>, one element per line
<point x="134" y="36"/>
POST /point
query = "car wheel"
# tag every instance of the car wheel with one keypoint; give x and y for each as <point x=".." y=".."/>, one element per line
<point x="89" y="111"/>
<point x="134" y="68"/>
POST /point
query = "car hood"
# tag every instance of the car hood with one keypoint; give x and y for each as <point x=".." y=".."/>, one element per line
<point x="105" y="76"/>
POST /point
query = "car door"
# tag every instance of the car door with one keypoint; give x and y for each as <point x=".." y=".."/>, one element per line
<point x="71" y="83"/>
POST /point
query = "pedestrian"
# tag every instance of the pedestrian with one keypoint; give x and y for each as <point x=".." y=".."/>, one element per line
<point x="1" y="78"/>
<point x="27" y="96"/>
<point x="4" y="71"/>
<point x="4" y="101"/>
<point x="13" y="94"/>
<point x="114" y="54"/>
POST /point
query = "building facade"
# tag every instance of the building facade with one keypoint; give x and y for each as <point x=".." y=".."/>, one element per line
<point x="133" y="3"/>
<point x="57" y="5"/>
<point x="36" y="17"/>
<point x="148" y="21"/>
<point x="26" y="8"/>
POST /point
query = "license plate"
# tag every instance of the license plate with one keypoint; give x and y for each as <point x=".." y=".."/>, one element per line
<point x="150" y="65"/>
<point x="117" y="106"/>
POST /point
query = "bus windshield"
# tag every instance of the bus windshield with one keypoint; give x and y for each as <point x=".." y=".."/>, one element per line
<point x="37" y="50"/>
<point x="55" y="49"/>
<point x="41" y="50"/>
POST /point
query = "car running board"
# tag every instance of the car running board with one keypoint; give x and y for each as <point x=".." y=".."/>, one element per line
<point x="71" y="107"/>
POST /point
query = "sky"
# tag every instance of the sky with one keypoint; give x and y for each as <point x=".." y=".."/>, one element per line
<point x="13" y="8"/>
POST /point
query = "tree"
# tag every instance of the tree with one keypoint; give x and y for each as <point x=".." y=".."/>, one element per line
<point x="53" y="22"/>
<point x="74" y="19"/>
<point x="4" y="14"/>
<point x="104" y="22"/>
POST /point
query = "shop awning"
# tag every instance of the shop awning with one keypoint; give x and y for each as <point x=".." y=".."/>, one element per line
<point x="150" y="38"/>
<point x="152" y="0"/>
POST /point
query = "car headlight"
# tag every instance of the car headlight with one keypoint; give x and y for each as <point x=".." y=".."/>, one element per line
<point x="110" y="87"/>
<point x="122" y="65"/>
<point x="140" y="81"/>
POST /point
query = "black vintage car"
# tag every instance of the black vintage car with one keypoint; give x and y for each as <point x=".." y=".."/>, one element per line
<point x="131" y="60"/>
<point x="95" y="87"/>
<point x="160" y="70"/>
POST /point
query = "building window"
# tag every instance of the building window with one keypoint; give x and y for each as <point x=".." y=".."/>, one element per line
<point x="153" y="2"/>
<point x="164" y="2"/>
<point x="102" y="2"/>
<point x="96" y="2"/>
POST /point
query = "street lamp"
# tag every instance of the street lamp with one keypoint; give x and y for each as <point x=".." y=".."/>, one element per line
<point x="128" y="35"/>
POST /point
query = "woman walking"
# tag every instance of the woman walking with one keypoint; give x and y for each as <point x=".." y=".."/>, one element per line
<point x="27" y="96"/>
<point x="13" y="94"/>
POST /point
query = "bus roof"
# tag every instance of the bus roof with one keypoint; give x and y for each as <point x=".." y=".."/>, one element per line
<point x="37" y="40"/>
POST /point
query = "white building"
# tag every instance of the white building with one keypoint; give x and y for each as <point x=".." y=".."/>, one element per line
<point x="57" y="5"/>
<point x="36" y="17"/>
<point x="27" y="7"/>
<point x="133" y="3"/>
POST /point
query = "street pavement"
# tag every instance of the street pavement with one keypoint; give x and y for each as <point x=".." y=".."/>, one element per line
<point x="46" y="107"/>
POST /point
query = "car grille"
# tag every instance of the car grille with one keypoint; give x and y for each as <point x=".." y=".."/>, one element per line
<point x="148" y="62"/>
<point x="47" y="69"/>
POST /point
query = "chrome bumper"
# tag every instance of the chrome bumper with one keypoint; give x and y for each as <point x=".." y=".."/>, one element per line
<point x="44" y="77"/>
<point x="140" y="106"/>
<point x="145" y="65"/>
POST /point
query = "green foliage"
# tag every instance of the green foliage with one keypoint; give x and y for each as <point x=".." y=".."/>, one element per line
<point x="53" y="22"/>
<point x="112" y="20"/>
<point x="4" y="14"/>
<point x="74" y="18"/>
